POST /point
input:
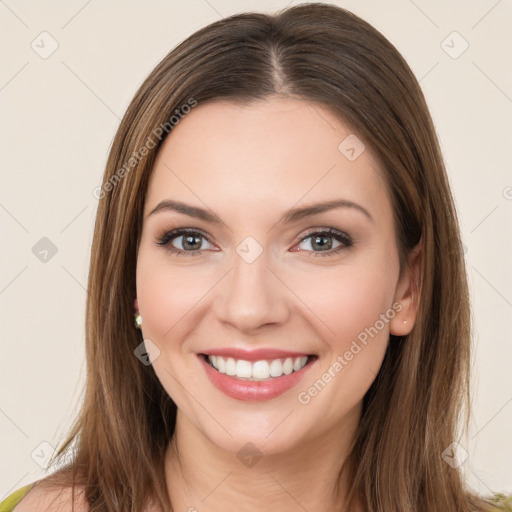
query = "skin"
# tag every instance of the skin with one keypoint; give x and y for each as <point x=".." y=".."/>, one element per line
<point x="249" y="164"/>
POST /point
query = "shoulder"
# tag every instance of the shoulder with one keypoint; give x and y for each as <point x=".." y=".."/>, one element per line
<point x="10" y="501"/>
<point x="42" y="498"/>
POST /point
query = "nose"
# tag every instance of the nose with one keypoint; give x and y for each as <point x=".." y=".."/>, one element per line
<point x="252" y="296"/>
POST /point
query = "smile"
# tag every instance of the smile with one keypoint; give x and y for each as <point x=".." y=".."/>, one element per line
<point x="257" y="370"/>
<point x="267" y="375"/>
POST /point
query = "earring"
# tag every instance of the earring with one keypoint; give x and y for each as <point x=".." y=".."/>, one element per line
<point x="137" y="320"/>
<point x="404" y="321"/>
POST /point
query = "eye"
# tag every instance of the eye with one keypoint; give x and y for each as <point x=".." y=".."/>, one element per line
<point x="189" y="241"/>
<point x="322" y="242"/>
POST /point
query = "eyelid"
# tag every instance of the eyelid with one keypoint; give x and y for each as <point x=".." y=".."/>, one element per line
<point x="323" y="231"/>
<point x="165" y="239"/>
<point x="342" y="237"/>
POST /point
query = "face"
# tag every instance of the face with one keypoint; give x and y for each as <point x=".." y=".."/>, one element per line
<point x="236" y="270"/>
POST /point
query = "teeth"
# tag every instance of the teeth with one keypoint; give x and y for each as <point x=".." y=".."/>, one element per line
<point x="243" y="368"/>
<point x="288" y="366"/>
<point x="259" y="370"/>
<point x="230" y="366"/>
<point x="276" y="368"/>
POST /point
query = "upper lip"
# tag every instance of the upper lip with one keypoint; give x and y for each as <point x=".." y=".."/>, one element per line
<point x="254" y="355"/>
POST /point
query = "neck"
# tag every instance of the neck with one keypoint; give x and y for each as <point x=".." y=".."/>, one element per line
<point x="201" y="477"/>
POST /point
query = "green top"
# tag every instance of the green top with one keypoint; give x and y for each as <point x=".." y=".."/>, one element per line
<point x="504" y="502"/>
<point x="13" y="499"/>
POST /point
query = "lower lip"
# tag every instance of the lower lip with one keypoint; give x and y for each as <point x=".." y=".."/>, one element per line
<point x="253" y="390"/>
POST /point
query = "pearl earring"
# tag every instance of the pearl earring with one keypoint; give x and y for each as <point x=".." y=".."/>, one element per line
<point x="138" y="320"/>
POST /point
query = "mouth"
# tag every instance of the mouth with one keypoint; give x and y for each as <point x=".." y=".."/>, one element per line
<point x="259" y="374"/>
<point x="261" y="370"/>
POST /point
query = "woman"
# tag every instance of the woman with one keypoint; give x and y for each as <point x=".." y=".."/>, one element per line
<point x="292" y="257"/>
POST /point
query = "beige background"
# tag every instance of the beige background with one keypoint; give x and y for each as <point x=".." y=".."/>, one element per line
<point x="60" y="113"/>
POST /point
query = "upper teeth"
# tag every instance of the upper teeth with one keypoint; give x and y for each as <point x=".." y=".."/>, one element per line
<point x="259" y="370"/>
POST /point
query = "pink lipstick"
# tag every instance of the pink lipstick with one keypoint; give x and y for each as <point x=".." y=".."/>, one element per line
<point x="260" y="374"/>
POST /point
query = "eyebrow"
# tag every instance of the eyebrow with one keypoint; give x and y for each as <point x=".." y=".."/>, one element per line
<point x="293" y="215"/>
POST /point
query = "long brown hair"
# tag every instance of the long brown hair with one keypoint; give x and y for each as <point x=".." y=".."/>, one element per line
<point x="318" y="53"/>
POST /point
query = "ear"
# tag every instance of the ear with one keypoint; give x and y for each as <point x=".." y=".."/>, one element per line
<point x="407" y="294"/>
<point x="136" y="305"/>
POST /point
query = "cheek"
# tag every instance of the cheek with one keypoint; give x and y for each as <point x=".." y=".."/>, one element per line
<point x="356" y="304"/>
<point x="349" y="299"/>
<point x="167" y="294"/>
<point x="168" y="298"/>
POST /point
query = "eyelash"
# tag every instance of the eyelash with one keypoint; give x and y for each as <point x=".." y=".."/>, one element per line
<point x="345" y="240"/>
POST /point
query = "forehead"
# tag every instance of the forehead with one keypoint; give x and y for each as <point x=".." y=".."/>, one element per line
<point x="276" y="151"/>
